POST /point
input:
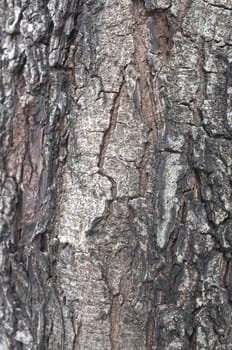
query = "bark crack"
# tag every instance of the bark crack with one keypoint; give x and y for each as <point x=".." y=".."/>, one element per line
<point x="76" y="330"/>
<point x="225" y="271"/>
<point x="143" y="183"/>
<point x="147" y="107"/>
<point x="115" y="322"/>
<point x="110" y="129"/>
<point x="150" y="329"/>
<point x="106" y="141"/>
<point x="221" y="6"/>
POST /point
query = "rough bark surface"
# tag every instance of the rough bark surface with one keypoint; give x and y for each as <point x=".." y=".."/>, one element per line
<point x="115" y="229"/>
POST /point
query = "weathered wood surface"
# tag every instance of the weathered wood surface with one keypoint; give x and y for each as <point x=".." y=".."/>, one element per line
<point x="115" y="126"/>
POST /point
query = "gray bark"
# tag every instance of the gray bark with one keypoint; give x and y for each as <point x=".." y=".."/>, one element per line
<point x="115" y="227"/>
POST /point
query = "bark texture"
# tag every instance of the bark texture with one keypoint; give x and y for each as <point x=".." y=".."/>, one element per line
<point x="115" y="229"/>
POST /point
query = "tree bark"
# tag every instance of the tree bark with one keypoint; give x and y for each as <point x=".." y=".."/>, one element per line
<point x="115" y="227"/>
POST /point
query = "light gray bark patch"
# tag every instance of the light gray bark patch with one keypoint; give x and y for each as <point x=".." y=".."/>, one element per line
<point x="167" y="201"/>
<point x="157" y="4"/>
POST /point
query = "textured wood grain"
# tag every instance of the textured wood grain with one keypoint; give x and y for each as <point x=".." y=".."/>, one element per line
<point x="115" y="131"/>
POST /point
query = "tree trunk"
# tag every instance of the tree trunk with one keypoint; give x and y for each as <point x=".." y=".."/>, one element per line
<point x="116" y="230"/>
